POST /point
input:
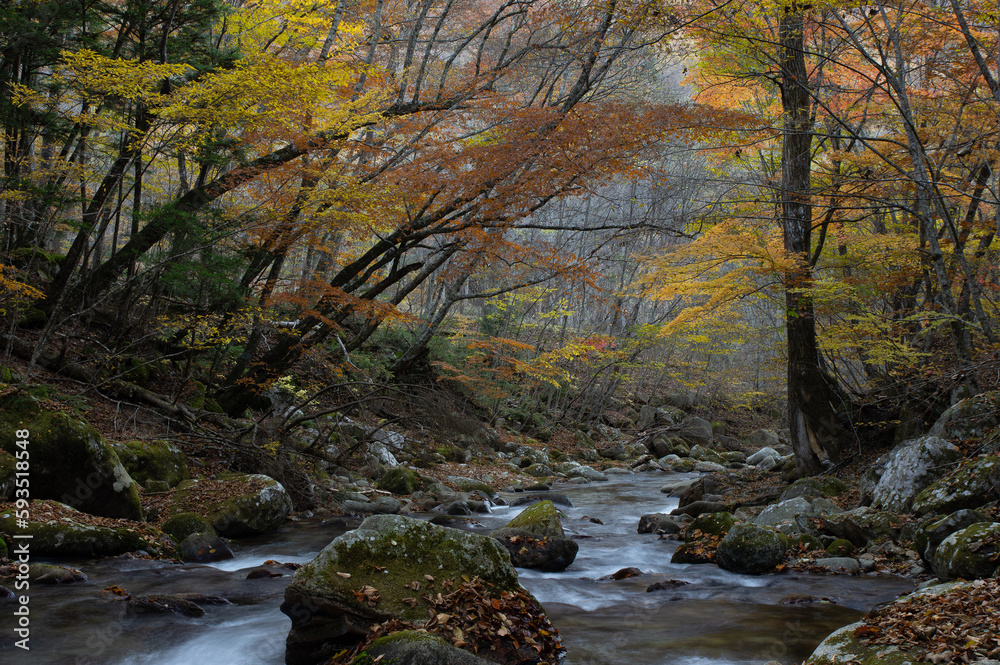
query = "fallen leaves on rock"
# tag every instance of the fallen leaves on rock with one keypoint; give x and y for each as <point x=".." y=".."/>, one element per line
<point x="957" y="627"/>
<point x="477" y="618"/>
<point x="46" y="510"/>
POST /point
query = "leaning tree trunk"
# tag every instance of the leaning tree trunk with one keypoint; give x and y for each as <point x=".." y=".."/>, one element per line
<point x="812" y="397"/>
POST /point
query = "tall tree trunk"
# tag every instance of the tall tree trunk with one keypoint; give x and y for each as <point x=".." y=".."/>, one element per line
<point x="812" y="396"/>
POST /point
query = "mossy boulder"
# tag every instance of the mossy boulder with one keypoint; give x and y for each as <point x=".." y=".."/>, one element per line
<point x="400" y="480"/>
<point x="968" y="486"/>
<point x="535" y="539"/>
<point x="705" y="455"/>
<point x="334" y="599"/>
<point x="714" y="524"/>
<point x="911" y="467"/>
<point x="540" y="520"/>
<point x="471" y="485"/>
<point x="841" y="547"/>
<point x="751" y="550"/>
<point x="932" y="531"/>
<point x="153" y="460"/>
<point x="418" y="647"/>
<point x="70" y="462"/>
<point x="67" y="538"/>
<point x="847" y="646"/>
<point x="182" y="525"/>
<point x="971" y="553"/>
<point x="663" y="445"/>
<point x="970" y="418"/>
<point x="240" y="504"/>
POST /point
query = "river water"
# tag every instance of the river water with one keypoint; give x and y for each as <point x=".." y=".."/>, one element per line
<point x="718" y="618"/>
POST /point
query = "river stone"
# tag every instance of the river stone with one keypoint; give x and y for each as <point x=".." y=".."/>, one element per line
<point x="751" y="550"/>
<point x="539" y="470"/>
<point x="587" y="473"/>
<point x="912" y="466"/>
<point x="380" y="505"/>
<point x="243" y="511"/>
<point x="182" y="525"/>
<point x="783" y="513"/>
<point x="163" y="604"/>
<point x="540" y="520"/>
<point x="70" y="462"/>
<point x="659" y="523"/>
<point x="703" y="454"/>
<point x="328" y="616"/>
<point x="678" y="486"/>
<point x="153" y="460"/>
<point x="417" y="647"/>
<point x="699" y="508"/>
<point x="471" y="485"/>
<point x="968" y="486"/>
<point x="765" y="457"/>
<point x="550" y="554"/>
<point x="663" y="445"/>
<point x="69" y="539"/>
<point x="400" y="480"/>
<point x="204" y="547"/>
<point x="557" y="498"/>
<point x="971" y="553"/>
<point x="862" y="525"/>
<point x="696" y="431"/>
<point x="931" y="533"/>
<point x="43" y="573"/>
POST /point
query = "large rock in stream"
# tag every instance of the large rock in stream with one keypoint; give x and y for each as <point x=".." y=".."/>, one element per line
<point x="70" y="462"/>
<point x="394" y="567"/>
<point x="237" y="505"/>
<point x="535" y="539"/>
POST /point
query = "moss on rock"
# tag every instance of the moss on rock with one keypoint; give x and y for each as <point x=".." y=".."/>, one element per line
<point x="182" y="525"/>
<point x="244" y="505"/>
<point x="540" y="520"/>
<point x="70" y="462"/>
<point x="968" y="486"/>
<point x="67" y="538"/>
<point x="751" y="550"/>
<point x="400" y="480"/>
<point x="153" y="460"/>
<point x="971" y="553"/>
<point x="333" y="599"/>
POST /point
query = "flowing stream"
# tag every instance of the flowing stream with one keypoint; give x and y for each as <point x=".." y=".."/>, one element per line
<point x="717" y="618"/>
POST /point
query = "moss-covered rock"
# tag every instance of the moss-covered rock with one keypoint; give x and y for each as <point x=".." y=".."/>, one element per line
<point x="336" y="597"/>
<point x="971" y="553"/>
<point x="418" y="647"/>
<point x="153" y="460"/>
<point x="705" y="455"/>
<point x="751" y="550"/>
<point x="241" y="504"/>
<point x="663" y="445"/>
<point x="970" y="418"/>
<point x="847" y="645"/>
<point x="471" y="485"/>
<point x="535" y="539"/>
<point x="841" y="547"/>
<point x="400" y="480"/>
<point x="68" y="538"/>
<point x="715" y="524"/>
<point x="968" y="486"/>
<point x="933" y="531"/>
<point x="541" y="520"/>
<point x="182" y="525"/>
<point x="70" y="462"/>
